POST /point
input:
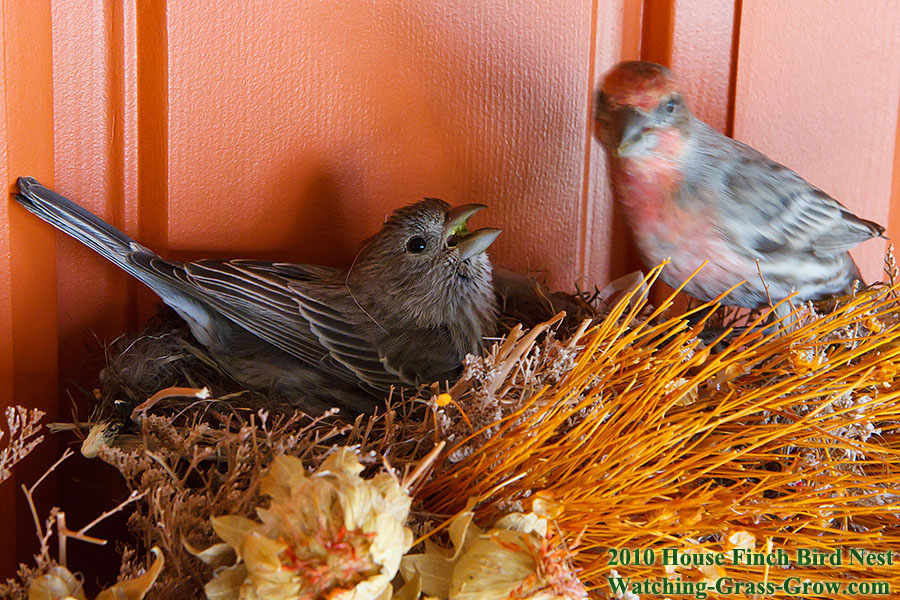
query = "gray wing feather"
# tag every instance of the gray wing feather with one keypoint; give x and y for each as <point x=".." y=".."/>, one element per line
<point x="290" y="306"/>
<point x="338" y="336"/>
<point x="781" y="212"/>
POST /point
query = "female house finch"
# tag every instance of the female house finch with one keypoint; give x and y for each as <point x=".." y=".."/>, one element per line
<point x="692" y="194"/>
<point x="418" y="298"/>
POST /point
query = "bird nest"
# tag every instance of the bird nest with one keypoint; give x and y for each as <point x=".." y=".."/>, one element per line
<point x="642" y="452"/>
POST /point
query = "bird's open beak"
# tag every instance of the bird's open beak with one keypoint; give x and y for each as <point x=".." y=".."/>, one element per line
<point x="628" y="126"/>
<point x="457" y="236"/>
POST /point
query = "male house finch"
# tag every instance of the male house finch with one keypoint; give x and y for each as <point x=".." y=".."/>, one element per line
<point x="418" y="298"/>
<point x="692" y="194"/>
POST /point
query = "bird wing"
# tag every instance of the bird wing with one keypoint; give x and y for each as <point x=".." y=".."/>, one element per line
<point x="779" y="211"/>
<point x="299" y="309"/>
<point x="339" y="335"/>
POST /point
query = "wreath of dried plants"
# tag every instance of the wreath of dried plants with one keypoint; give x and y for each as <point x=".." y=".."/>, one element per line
<point x="639" y="427"/>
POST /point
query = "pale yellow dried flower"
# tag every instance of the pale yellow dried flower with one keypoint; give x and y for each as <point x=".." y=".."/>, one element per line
<point x="60" y="584"/>
<point x="742" y="539"/>
<point x="330" y="534"/>
<point x="513" y="559"/>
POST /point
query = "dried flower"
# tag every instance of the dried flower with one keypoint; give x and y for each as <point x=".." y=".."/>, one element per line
<point x="873" y="324"/>
<point x="444" y="399"/>
<point x="885" y="373"/>
<point x="330" y="534"/>
<point x="685" y="395"/>
<point x="60" y="584"/>
<point x="806" y="361"/>
<point x="57" y="584"/>
<point x="742" y="539"/>
<point x="514" y="559"/>
<point x="23" y="428"/>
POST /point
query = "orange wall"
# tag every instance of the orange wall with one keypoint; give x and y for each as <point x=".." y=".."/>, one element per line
<point x="314" y="124"/>
<point x="28" y="332"/>
<point x="818" y="89"/>
<point x="288" y="130"/>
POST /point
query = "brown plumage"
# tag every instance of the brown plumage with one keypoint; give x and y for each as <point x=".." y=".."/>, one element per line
<point x="418" y="298"/>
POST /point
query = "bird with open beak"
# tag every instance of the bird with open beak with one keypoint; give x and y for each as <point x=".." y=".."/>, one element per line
<point x="417" y="299"/>
<point x="691" y="194"/>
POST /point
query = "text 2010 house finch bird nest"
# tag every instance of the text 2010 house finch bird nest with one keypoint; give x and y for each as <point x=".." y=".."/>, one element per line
<point x="619" y="458"/>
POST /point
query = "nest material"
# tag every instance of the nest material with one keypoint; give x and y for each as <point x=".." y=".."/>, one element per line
<point x="642" y="434"/>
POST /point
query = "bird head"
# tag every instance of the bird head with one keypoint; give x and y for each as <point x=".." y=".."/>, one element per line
<point x="637" y="103"/>
<point x="426" y="264"/>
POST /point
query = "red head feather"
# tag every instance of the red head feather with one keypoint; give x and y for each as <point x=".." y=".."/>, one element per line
<point x="638" y="84"/>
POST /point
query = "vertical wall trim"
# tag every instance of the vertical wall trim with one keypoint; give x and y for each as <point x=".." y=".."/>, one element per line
<point x="152" y="121"/>
<point x="732" y="76"/>
<point x="585" y="210"/>
<point x="894" y="214"/>
<point x="8" y="490"/>
<point x="632" y="20"/>
<point x="145" y="140"/>
<point x="657" y="31"/>
<point x="28" y="99"/>
<point x="115" y="127"/>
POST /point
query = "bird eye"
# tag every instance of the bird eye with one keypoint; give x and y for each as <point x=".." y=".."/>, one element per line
<point x="416" y="244"/>
<point x="671" y="104"/>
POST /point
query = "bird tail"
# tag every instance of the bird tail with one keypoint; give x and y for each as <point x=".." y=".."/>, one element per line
<point x="146" y="266"/>
<point x="82" y="225"/>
